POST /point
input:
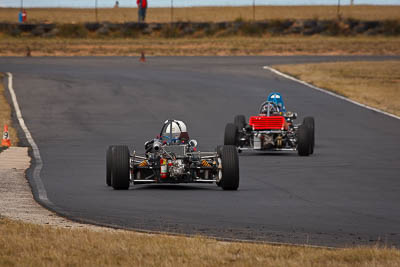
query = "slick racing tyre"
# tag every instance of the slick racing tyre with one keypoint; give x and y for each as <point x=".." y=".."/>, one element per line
<point x="108" y="165"/>
<point x="231" y="135"/>
<point x="230" y="168"/>
<point x="303" y="140"/>
<point x="240" y="122"/>
<point x="309" y="122"/>
<point x="120" y="168"/>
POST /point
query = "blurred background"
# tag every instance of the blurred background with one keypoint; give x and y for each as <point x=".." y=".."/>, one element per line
<point x="184" y="3"/>
<point x="76" y="11"/>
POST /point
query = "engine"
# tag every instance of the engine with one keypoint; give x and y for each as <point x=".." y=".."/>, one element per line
<point x="268" y="141"/>
<point x="263" y="141"/>
<point x="176" y="168"/>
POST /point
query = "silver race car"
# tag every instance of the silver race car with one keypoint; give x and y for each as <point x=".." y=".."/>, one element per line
<point x="172" y="158"/>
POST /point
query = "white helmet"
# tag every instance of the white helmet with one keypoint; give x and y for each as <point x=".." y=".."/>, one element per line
<point x="177" y="127"/>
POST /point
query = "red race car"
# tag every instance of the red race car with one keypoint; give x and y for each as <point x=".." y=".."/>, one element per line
<point x="272" y="130"/>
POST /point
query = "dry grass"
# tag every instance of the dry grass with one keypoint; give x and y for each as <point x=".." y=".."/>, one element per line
<point x="376" y="84"/>
<point x="5" y="115"/>
<point x="227" y="13"/>
<point x="23" y="244"/>
<point x="202" y="46"/>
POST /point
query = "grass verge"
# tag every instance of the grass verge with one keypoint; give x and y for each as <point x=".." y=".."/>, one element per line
<point x="224" y="46"/>
<point x="5" y="115"/>
<point x="23" y="244"/>
<point x="376" y="84"/>
<point x="210" y="14"/>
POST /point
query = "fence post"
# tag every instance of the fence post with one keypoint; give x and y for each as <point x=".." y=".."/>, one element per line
<point x="95" y="9"/>
<point x="172" y="11"/>
<point x="254" y="10"/>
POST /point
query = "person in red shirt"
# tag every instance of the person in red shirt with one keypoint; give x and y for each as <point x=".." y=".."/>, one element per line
<point x="24" y="15"/>
<point x="142" y="7"/>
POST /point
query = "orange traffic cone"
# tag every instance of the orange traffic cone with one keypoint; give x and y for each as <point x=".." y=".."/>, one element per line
<point x="142" y="57"/>
<point x="6" y="137"/>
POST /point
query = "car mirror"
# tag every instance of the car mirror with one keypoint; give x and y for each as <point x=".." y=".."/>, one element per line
<point x="193" y="143"/>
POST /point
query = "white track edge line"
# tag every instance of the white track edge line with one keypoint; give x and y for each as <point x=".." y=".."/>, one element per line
<point x="36" y="153"/>
<point x="329" y="92"/>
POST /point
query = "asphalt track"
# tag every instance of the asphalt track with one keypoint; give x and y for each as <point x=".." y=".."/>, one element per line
<point x="346" y="193"/>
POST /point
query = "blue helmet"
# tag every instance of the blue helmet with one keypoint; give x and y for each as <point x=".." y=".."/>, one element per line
<point x="278" y="100"/>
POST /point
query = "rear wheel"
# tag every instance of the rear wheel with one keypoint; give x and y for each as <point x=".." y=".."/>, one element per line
<point x="108" y="165"/>
<point x="231" y="135"/>
<point x="240" y="121"/>
<point x="120" y="168"/>
<point x="230" y="168"/>
<point x="309" y="122"/>
<point x="303" y="140"/>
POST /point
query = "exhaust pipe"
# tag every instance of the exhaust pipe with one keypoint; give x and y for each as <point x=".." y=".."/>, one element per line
<point x="157" y="145"/>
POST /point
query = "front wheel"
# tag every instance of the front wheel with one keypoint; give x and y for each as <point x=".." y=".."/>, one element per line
<point x="120" y="168"/>
<point x="309" y="122"/>
<point x="230" y="168"/>
<point x="303" y="140"/>
<point x="108" y="165"/>
<point x="231" y="135"/>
